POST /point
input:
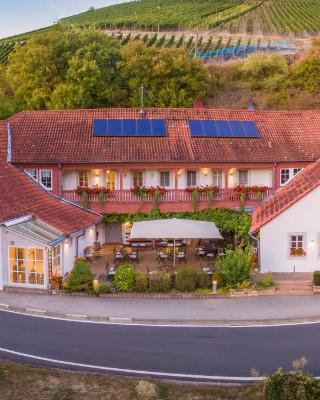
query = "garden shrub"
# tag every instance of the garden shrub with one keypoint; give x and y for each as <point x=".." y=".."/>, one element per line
<point x="316" y="278"/>
<point x="291" y="386"/>
<point x="205" y="281"/>
<point x="141" y="282"/>
<point x="124" y="278"/>
<point x="233" y="268"/>
<point x="81" y="277"/>
<point x="266" y="281"/>
<point x="103" y="288"/>
<point x="186" y="280"/>
<point x="160" y="282"/>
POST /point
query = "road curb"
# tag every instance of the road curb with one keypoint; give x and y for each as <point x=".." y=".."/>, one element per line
<point x="157" y="322"/>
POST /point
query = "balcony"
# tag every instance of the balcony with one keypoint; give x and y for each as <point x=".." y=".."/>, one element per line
<point x="124" y="201"/>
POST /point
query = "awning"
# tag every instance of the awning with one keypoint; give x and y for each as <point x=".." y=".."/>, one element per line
<point x="174" y="229"/>
<point x="39" y="231"/>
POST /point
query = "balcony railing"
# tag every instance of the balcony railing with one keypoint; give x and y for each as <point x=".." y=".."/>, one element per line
<point x="171" y="200"/>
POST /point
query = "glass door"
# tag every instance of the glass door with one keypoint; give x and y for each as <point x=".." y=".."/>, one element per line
<point x="111" y="177"/>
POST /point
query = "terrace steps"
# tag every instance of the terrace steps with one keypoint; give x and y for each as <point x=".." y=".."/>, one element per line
<point x="291" y="288"/>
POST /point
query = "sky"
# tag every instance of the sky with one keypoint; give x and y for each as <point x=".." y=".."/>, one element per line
<point x="18" y="16"/>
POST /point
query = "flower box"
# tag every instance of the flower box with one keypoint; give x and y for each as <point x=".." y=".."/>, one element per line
<point x="297" y="252"/>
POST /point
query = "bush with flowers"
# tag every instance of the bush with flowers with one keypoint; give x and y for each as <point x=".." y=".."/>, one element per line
<point x="244" y="191"/>
<point x="196" y="191"/>
<point x="55" y="280"/>
<point x="154" y="191"/>
<point x="297" y="252"/>
<point x="85" y="192"/>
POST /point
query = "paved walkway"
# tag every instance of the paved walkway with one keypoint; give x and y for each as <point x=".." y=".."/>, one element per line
<point x="228" y="310"/>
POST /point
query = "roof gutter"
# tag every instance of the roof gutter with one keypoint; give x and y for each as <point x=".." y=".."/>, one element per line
<point x="9" y="143"/>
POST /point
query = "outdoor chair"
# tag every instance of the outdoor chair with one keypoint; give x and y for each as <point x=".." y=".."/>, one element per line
<point x="200" y="252"/>
<point x="150" y="272"/>
<point x="118" y="257"/>
<point x="209" y="255"/>
<point x="133" y="256"/>
<point x="181" y="256"/>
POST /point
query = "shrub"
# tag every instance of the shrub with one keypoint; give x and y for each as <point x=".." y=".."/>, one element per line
<point x="103" y="288"/>
<point x="266" y="282"/>
<point x="205" y="281"/>
<point x="316" y="278"/>
<point x="260" y="65"/>
<point x="246" y="284"/>
<point x="291" y="386"/>
<point x="141" y="282"/>
<point x="81" y="277"/>
<point x="124" y="278"/>
<point x="233" y="268"/>
<point x="186" y="280"/>
<point x="160" y="282"/>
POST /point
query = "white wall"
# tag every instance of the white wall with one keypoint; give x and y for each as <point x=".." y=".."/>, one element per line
<point x="302" y="217"/>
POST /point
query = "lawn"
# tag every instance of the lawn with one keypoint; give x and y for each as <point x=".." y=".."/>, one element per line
<point x="25" y="382"/>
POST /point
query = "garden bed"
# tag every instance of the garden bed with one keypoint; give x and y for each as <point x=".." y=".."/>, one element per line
<point x="252" y="292"/>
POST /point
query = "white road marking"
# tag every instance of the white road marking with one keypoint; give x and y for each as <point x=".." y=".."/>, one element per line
<point x="77" y="315"/>
<point x="34" y="310"/>
<point x="180" y="325"/>
<point x="135" y="372"/>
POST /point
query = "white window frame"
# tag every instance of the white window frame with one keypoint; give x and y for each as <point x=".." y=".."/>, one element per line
<point x="196" y="177"/>
<point x="132" y="179"/>
<point x="248" y="176"/>
<point x="29" y="172"/>
<point x="217" y="177"/>
<point x="26" y="261"/>
<point x="83" y="172"/>
<point x="292" y="173"/>
<point x="40" y="178"/>
<point x="304" y="243"/>
<point x="169" y="176"/>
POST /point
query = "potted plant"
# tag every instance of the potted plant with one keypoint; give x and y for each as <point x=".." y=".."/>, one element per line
<point x="55" y="281"/>
<point x="297" y="252"/>
<point x="258" y="191"/>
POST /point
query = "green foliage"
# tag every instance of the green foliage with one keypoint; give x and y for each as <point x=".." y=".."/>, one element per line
<point x="307" y="71"/>
<point x="233" y="268"/>
<point x="259" y="66"/>
<point x="160" y="282"/>
<point x="186" y="280"/>
<point x="81" y="278"/>
<point x="170" y="76"/>
<point x="228" y="221"/>
<point x="316" y="278"/>
<point x="124" y="278"/>
<point x="65" y="69"/>
<point x="291" y="386"/>
<point x="266" y="281"/>
<point x="205" y="281"/>
<point x="141" y="282"/>
<point x="103" y="288"/>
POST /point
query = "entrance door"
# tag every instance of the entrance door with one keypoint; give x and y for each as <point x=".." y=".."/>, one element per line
<point x="111" y="180"/>
<point x="113" y="233"/>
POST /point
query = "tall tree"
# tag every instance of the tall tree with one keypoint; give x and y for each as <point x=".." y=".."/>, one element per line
<point x="71" y="68"/>
<point x="306" y="73"/>
<point x="171" y="77"/>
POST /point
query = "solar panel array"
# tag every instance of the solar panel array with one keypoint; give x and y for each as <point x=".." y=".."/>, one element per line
<point x="129" y="127"/>
<point x="223" y="129"/>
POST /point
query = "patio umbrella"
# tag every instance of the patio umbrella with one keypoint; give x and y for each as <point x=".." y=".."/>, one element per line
<point x="174" y="229"/>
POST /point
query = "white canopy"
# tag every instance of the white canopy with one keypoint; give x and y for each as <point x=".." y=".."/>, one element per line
<point x="174" y="229"/>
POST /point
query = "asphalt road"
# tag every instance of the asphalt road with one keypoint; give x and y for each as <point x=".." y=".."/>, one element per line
<point x="191" y="352"/>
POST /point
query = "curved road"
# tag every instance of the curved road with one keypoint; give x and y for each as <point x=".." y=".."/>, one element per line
<point x="208" y="353"/>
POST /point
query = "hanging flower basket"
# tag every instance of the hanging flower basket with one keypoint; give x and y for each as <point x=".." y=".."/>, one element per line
<point x="55" y="281"/>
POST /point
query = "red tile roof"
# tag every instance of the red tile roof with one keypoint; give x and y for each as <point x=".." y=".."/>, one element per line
<point x="286" y="196"/>
<point x="20" y="196"/>
<point x="66" y="136"/>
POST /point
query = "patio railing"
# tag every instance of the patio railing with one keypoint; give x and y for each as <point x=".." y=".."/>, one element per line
<point x="123" y="198"/>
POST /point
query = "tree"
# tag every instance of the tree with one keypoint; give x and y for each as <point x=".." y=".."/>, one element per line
<point x="65" y="68"/>
<point x="171" y="77"/>
<point x="306" y="73"/>
<point x="7" y="107"/>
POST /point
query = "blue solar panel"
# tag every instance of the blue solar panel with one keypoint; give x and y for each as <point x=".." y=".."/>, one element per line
<point x="251" y="129"/>
<point x="129" y="127"/>
<point x="114" y="127"/>
<point x="223" y="129"/>
<point x="158" y="127"/>
<point x="100" y="127"/>
<point x="196" y="128"/>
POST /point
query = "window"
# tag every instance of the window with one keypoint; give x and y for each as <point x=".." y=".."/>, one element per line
<point x="26" y="265"/>
<point x="284" y="176"/>
<point x="217" y="178"/>
<point x="243" y="177"/>
<point x="33" y="173"/>
<point x="56" y="260"/>
<point x="165" y="178"/>
<point x="297" y="244"/>
<point x="46" y="178"/>
<point x="111" y="180"/>
<point x="84" y="177"/>
<point x="191" y="178"/>
<point x="288" y="173"/>
<point x="137" y="178"/>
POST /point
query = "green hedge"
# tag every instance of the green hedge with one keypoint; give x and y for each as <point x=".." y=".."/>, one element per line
<point x="316" y="278"/>
<point x="186" y="280"/>
<point x="229" y="222"/>
<point x="81" y="277"/>
<point x="124" y="278"/>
